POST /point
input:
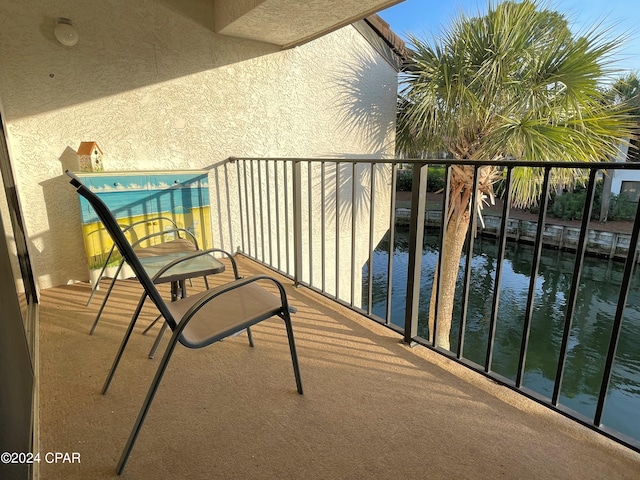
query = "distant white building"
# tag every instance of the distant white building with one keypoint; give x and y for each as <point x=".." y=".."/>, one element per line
<point x="627" y="182"/>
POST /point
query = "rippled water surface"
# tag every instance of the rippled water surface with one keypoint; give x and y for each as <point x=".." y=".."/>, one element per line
<point x="591" y="330"/>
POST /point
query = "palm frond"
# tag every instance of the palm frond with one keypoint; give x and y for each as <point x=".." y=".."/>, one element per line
<point x="514" y="83"/>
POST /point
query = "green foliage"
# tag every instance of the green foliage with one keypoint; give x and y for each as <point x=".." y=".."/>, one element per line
<point x="621" y="208"/>
<point x="403" y="182"/>
<point x="570" y="205"/>
<point x="625" y="91"/>
<point x="435" y="179"/>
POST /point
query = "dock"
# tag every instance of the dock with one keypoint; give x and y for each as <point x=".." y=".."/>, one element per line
<point x="599" y="242"/>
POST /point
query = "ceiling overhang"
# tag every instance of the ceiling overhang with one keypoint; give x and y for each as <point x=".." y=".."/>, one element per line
<point x="288" y="23"/>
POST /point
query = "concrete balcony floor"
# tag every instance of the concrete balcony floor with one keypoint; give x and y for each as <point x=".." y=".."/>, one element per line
<point x="372" y="409"/>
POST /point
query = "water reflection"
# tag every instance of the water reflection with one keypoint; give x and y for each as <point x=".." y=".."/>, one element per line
<point x="599" y="289"/>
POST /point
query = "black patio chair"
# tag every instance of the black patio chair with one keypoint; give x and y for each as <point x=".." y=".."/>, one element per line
<point x="198" y="320"/>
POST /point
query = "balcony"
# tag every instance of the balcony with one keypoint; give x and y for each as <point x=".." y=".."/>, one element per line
<point x="373" y="406"/>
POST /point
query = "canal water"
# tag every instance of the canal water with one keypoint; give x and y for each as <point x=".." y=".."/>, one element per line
<point x="592" y="323"/>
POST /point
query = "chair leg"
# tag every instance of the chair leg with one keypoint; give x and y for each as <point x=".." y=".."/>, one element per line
<point x="99" y="277"/>
<point x="153" y="388"/>
<point x="147" y="402"/>
<point x="292" y="347"/>
<point x="123" y="345"/>
<point x="106" y="297"/>
<point x="156" y="344"/>
<point x="152" y="324"/>
<point x="250" y="337"/>
<point x="94" y="287"/>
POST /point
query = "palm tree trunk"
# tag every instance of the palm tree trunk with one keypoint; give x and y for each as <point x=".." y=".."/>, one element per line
<point x="454" y="240"/>
<point x="606" y="195"/>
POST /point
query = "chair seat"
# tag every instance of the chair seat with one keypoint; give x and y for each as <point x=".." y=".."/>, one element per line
<point x="224" y="315"/>
<point x="172" y="246"/>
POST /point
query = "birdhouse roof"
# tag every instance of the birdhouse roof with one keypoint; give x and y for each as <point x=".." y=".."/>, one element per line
<point x="86" y="148"/>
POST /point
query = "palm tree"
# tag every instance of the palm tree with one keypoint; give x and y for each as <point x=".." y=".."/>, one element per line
<point x="624" y="90"/>
<point x="514" y="83"/>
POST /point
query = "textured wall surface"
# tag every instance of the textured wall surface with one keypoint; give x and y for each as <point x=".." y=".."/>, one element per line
<point x="287" y="22"/>
<point x="157" y="89"/>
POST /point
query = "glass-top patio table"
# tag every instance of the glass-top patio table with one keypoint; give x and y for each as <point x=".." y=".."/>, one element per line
<point x="176" y="270"/>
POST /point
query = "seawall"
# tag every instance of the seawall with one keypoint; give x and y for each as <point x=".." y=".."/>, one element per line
<point x="600" y="242"/>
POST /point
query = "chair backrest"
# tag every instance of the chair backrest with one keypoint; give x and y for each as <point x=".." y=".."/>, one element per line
<point x="118" y="237"/>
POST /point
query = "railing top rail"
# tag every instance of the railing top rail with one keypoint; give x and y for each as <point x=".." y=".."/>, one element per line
<point x="444" y="162"/>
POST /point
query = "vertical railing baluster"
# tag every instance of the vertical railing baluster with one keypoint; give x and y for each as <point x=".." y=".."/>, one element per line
<point x="392" y="241"/>
<point x="372" y="214"/>
<point x="219" y="209"/>
<point x="310" y="217"/>
<point x="269" y="230"/>
<point x="246" y="206"/>
<point x="297" y="221"/>
<point x="337" y="276"/>
<point x="535" y="264"/>
<point x="253" y="202"/>
<point x="261" y="210"/>
<point x="276" y="182"/>
<point x="416" y="240"/>
<point x="502" y="243"/>
<point x="323" y="224"/>
<point x="444" y="216"/>
<point x="239" y="180"/>
<point x="353" y="231"/>
<point x="581" y="248"/>
<point x="467" y="269"/>
<point x="286" y="216"/>
<point x="625" y="285"/>
<point x="228" y="196"/>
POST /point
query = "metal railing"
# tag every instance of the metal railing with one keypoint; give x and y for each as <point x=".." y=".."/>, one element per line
<point x="321" y="221"/>
<point x="299" y="217"/>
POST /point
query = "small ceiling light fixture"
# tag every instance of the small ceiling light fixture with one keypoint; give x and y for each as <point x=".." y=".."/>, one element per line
<point x="65" y="32"/>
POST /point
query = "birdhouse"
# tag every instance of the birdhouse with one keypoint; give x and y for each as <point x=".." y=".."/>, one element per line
<point x="90" y="157"/>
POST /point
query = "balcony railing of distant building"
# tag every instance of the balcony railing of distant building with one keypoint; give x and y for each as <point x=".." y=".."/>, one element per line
<point x="321" y="222"/>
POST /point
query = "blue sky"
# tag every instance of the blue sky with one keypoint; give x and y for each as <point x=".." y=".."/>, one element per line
<point x="425" y="18"/>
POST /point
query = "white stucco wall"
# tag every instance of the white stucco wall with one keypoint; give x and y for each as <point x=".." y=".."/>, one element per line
<point x="157" y="89"/>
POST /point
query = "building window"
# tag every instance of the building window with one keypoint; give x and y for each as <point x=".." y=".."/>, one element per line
<point x="634" y="150"/>
<point x="631" y="190"/>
